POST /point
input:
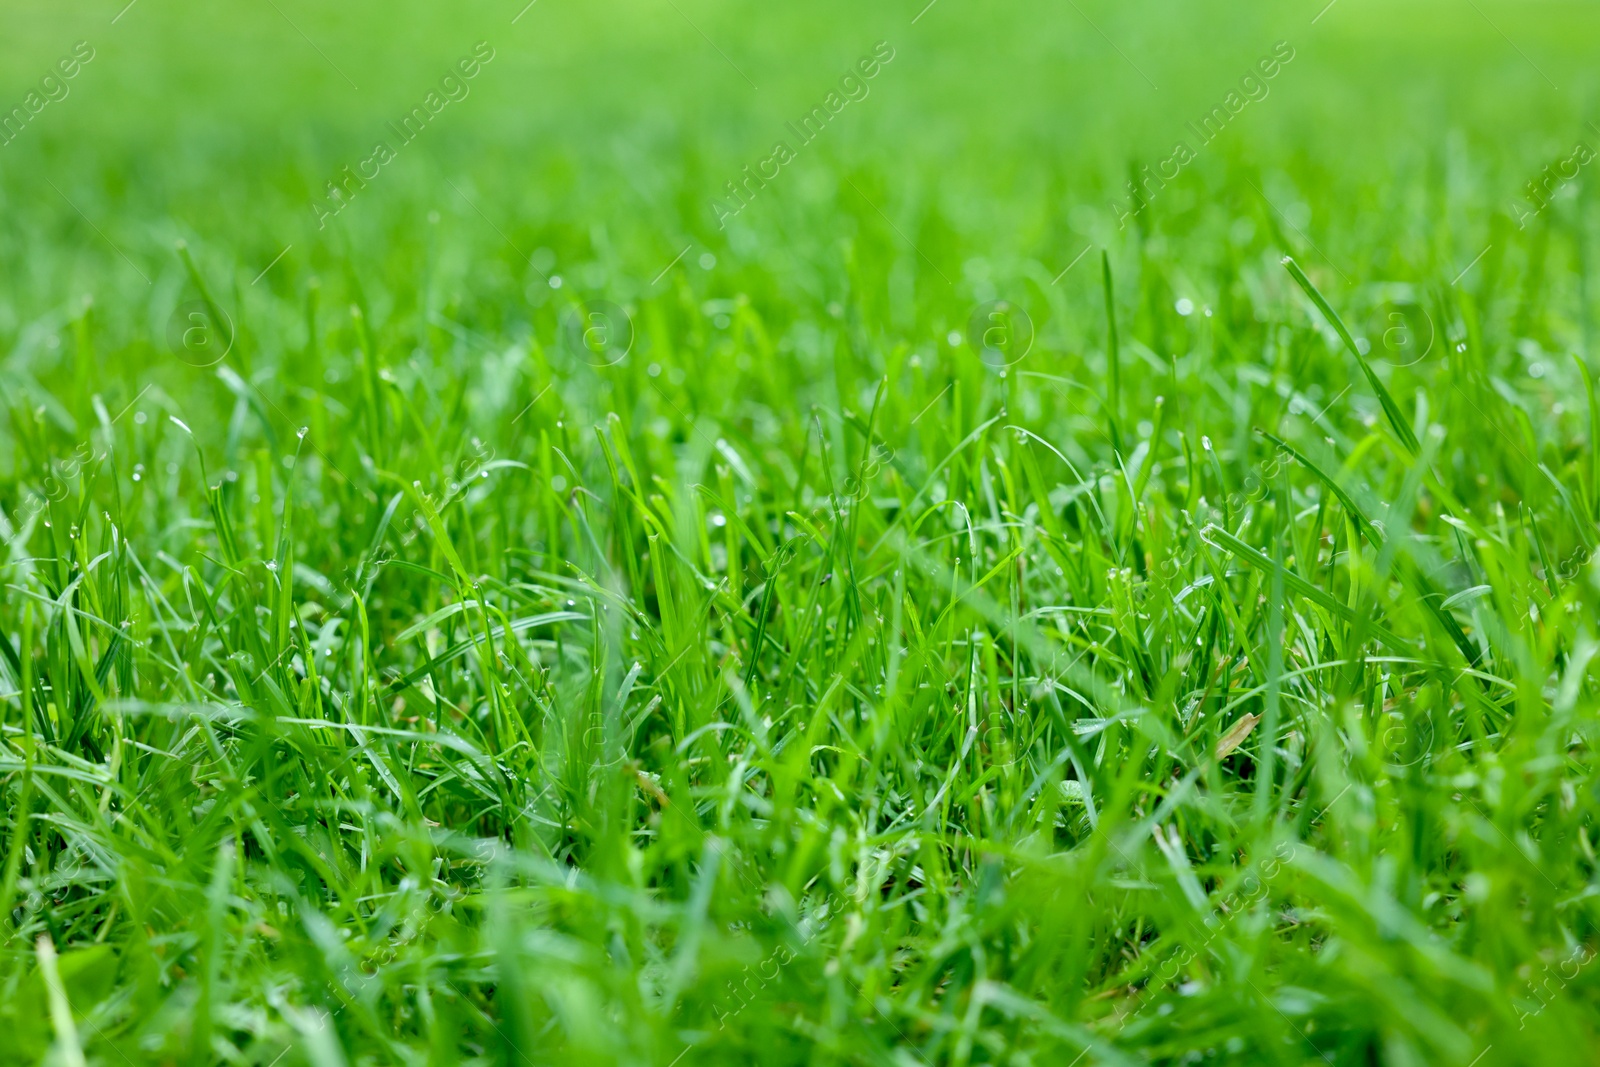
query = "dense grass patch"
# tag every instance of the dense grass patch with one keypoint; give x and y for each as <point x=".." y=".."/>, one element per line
<point x="974" y="604"/>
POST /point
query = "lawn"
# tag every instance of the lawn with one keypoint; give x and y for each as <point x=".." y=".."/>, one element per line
<point x="691" y="533"/>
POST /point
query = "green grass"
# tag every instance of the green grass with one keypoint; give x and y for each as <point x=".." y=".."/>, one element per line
<point x="1204" y="673"/>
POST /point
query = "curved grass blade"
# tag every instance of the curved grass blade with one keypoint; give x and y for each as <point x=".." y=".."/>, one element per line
<point x="1396" y="418"/>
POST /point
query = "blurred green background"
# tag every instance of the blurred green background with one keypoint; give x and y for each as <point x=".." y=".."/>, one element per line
<point x="988" y="157"/>
<point x="603" y="131"/>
